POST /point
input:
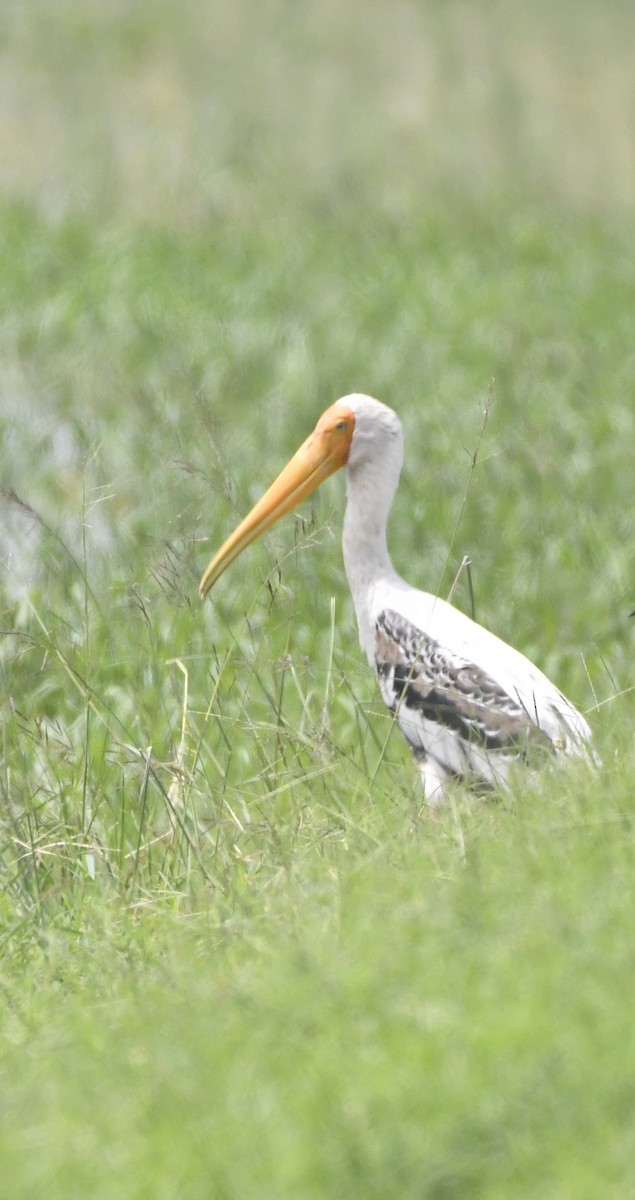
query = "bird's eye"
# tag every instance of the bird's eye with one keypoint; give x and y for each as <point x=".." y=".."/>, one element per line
<point x="342" y="425"/>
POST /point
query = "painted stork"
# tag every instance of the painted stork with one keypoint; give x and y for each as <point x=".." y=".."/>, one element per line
<point x="468" y="704"/>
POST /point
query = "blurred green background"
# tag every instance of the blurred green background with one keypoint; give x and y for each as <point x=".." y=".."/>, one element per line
<point x="239" y="959"/>
<point x="218" y="218"/>
<point x="180" y="114"/>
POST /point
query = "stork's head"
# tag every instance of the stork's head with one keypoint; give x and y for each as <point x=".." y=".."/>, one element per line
<point x="377" y="430"/>
<point x="351" y="432"/>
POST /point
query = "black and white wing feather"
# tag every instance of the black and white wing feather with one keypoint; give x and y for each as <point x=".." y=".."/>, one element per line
<point x="456" y="717"/>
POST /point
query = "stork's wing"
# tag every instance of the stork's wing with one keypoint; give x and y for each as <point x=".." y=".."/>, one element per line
<point x="448" y="708"/>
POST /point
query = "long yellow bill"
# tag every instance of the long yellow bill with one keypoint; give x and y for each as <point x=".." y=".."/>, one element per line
<point x="323" y="453"/>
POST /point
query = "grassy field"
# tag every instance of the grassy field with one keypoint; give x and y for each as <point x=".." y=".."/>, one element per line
<point x="239" y="960"/>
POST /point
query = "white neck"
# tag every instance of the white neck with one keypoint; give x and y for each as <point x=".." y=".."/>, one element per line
<point x="370" y="488"/>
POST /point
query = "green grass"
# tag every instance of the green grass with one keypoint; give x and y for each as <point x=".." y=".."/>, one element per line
<point x="238" y="957"/>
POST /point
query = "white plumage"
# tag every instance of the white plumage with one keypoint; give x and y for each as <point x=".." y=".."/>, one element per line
<point x="468" y="704"/>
